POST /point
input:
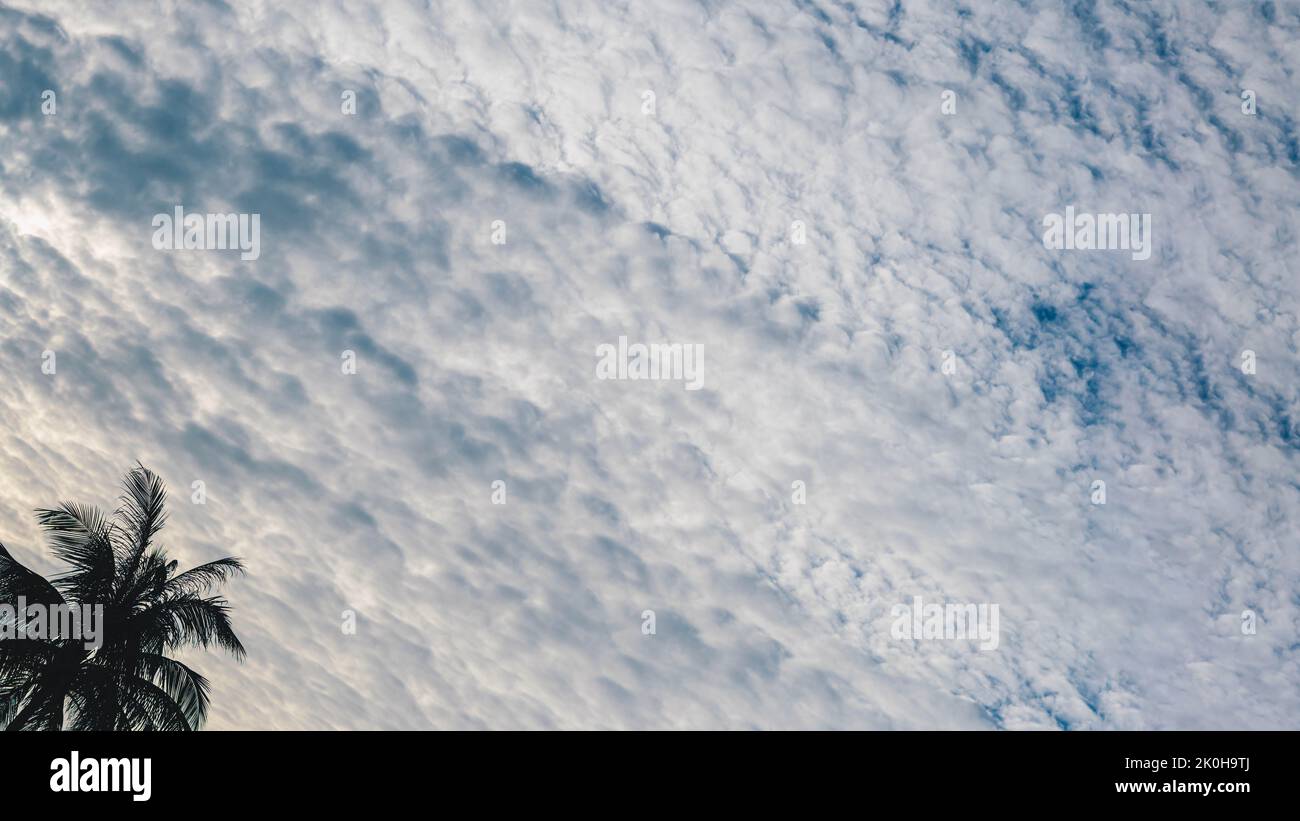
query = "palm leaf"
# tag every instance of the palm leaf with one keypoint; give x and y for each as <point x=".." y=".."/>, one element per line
<point x="80" y="536"/>
<point x="189" y="621"/>
<point x="203" y="577"/>
<point x="143" y="512"/>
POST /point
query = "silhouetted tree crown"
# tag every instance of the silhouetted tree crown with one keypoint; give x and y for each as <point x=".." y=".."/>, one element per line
<point x="129" y="682"/>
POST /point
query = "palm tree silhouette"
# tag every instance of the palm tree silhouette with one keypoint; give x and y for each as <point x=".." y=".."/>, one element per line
<point x="128" y="682"/>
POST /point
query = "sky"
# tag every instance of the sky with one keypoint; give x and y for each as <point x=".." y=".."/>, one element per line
<point x="452" y="520"/>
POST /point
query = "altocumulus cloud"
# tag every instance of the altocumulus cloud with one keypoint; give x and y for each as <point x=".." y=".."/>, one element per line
<point x="646" y="165"/>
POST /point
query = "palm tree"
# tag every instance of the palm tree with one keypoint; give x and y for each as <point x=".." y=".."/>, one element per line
<point x="128" y="682"/>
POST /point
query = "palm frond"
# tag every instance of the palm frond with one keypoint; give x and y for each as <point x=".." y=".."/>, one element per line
<point x="149" y="580"/>
<point x="203" y="577"/>
<point x="42" y="704"/>
<point x="21" y="665"/>
<point x="80" y="536"/>
<point x="188" y="621"/>
<point x="143" y="512"/>
<point x="108" y="699"/>
<point x="17" y="580"/>
<point x="184" y="686"/>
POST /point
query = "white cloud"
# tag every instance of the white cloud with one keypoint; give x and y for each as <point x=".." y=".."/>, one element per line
<point x="476" y="362"/>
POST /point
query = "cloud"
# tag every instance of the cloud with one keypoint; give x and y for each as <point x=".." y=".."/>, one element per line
<point x="669" y="218"/>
